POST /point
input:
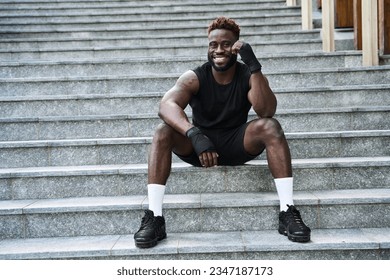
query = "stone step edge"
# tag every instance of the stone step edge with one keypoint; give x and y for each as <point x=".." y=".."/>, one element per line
<point x="214" y="7"/>
<point x="161" y="47"/>
<point x="107" y="4"/>
<point x="172" y="27"/>
<point x="148" y="140"/>
<point x="113" y="19"/>
<point x="179" y="245"/>
<point x="154" y="115"/>
<point x="152" y="36"/>
<point x="92" y="170"/>
<point x="193" y="201"/>
<point x="148" y="59"/>
<point x="339" y="70"/>
<point x="277" y="91"/>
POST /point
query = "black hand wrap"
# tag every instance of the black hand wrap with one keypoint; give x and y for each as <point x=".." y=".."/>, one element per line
<point x="249" y="58"/>
<point x="200" y="142"/>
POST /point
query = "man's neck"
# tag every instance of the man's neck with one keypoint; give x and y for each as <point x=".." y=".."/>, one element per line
<point x="224" y="77"/>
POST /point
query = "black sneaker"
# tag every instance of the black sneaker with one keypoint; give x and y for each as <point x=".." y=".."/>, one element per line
<point x="152" y="230"/>
<point x="291" y="225"/>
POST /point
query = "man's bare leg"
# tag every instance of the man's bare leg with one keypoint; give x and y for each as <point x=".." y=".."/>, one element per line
<point x="269" y="134"/>
<point x="164" y="142"/>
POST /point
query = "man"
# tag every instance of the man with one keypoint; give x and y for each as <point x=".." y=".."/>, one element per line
<point x="220" y="93"/>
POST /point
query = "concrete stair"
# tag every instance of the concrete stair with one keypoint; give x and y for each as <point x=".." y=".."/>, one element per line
<point x="80" y="84"/>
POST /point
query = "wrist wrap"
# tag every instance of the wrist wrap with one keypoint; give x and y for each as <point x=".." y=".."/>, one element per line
<point x="249" y="58"/>
<point x="200" y="142"/>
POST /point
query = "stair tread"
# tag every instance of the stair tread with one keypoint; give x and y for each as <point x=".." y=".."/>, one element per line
<point x="147" y="139"/>
<point x="297" y="55"/>
<point x="339" y="70"/>
<point x="137" y="168"/>
<point x="189" y="201"/>
<point x="194" y="243"/>
<point x="154" y="116"/>
<point x="307" y="90"/>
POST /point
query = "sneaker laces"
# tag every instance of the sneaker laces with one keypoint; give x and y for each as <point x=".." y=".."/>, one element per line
<point x="147" y="219"/>
<point x="294" y="216"/>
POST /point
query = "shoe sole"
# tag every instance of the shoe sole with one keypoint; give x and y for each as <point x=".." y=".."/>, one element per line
<point x="145" y="245"/>
<point x="295" y="238"/>
<point x="149" y="244"/>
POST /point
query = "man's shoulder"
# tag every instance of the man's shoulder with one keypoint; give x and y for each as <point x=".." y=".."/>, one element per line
<point x="201" y="71"/>
<point x="203" y="67"/>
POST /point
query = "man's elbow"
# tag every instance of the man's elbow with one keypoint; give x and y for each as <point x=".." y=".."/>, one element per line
<point x="265" y="112"/>
<point x="161" y="110"/>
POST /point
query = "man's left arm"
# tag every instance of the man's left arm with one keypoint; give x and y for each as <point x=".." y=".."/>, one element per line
<point x="260" y="95"/>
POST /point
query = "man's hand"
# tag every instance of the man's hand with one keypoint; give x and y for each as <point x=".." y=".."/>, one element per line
<point x="203" y="147"/>
<point x="237" y="46"/>
<point x="247" y="55"/>
<point x="208" y="159"/>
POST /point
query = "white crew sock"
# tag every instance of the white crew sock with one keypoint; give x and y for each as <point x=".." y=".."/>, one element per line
<point x="284" y="187"/>
<point x="155" y="197"/>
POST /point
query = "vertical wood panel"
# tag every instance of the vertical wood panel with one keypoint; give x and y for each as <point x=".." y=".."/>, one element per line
<point x="343" y="13"/>
<point x="357" y="23"/>
<point x="370" y="33"/>
<point x="328" y="44"/>
<point x="384" y="26"/>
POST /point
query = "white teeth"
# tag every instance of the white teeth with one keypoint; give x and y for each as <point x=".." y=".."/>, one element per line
<point x="219" y="59"/>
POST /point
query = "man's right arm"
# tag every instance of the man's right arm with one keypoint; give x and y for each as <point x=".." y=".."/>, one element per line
<point x="174" y="102"/>
<point x="172" y="113"/>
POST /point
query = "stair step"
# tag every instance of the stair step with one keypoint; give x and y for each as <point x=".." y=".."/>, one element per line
<point x="193" y="29"/>
<point x="130" y="179"/>
<point x="141" y="8"/>
<point x="134" y="21"/>
<point x="368" y="243"/>
<point x="146" y="65"/>
<point x="192" y="212"/>
<point x="171" y="49"/>
<point x="146" y="40"/>
<point x="153" y="5"/>
<point x="163" y="82"/>
<point x="119" y="126"/>
<point x="135" y="150"/>
<point x="144" y="103"/>
<point x="196" y="27"/>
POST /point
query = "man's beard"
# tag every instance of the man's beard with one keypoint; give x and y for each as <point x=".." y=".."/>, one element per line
<point x="232" y="61"/>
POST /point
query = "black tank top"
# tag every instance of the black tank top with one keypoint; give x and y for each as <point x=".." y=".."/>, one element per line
<point x="219" y="106"/>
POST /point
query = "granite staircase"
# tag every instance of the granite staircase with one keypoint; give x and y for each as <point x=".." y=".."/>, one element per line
<point x="80" y="83"/>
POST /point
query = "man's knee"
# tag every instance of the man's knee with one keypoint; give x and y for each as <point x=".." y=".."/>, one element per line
<point x="163" y="134"/>
<point x="268" y="126"/>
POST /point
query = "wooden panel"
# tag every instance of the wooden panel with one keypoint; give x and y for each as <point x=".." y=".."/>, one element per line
<point x="384" y="26"/>
<point x="357" y="23"/>
<point x="343" y="13"/>
<point x="370" y="40"/>
<point x="328" y="44"/>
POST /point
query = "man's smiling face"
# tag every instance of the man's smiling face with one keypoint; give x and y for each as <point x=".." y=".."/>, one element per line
<point x="220" y="49"/>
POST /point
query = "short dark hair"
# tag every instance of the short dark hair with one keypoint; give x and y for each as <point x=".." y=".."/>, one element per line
<point x="225" y="23"/>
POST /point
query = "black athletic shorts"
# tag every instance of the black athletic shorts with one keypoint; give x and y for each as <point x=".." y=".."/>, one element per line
<point x="229" y="144"/>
